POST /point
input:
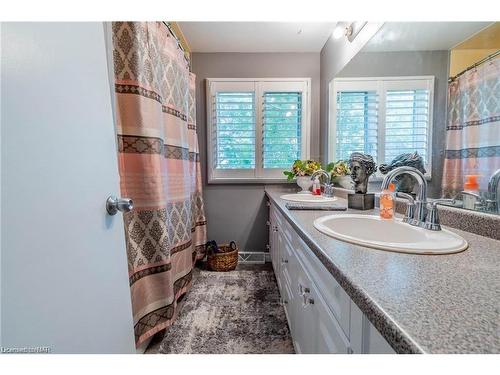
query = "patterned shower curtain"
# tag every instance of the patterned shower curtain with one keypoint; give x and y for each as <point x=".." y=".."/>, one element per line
<point x="473" y="131"/>
<point x="159" y="169"/>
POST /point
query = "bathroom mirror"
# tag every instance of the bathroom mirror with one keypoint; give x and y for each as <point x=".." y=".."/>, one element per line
<point x="431" y="91"/>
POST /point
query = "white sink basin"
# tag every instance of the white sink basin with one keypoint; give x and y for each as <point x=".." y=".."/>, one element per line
<point x="389" y="235"/>
<point x="305" y="197"/>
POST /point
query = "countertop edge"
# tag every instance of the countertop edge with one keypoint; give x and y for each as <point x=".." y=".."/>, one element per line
<point x="397" y="338"/>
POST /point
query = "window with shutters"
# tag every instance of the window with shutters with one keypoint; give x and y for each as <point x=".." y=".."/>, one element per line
<point x="235" y="130"/>
<point x="256" y="128"/>
<point x="382" y="117"/>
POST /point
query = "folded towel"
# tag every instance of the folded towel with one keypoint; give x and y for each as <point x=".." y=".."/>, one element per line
<point x="315" y="207"/>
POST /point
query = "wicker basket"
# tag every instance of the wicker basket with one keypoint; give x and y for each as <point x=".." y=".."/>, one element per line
<point x="225" y="260"/>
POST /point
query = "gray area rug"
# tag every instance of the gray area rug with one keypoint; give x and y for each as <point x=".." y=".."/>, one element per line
<point x="229" y="312"/>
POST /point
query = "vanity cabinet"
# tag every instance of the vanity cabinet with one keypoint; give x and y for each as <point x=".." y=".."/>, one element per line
<point x="321" y="316"/>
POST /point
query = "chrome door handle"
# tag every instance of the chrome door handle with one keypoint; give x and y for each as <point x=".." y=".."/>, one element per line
<point x="114" y="204"/>
<point x="303" y="290"/>
<point x="300" y="290"/>
<point x="307" y="301"/>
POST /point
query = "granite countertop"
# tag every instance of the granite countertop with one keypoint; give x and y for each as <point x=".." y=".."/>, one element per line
<point x="419" y="303"/>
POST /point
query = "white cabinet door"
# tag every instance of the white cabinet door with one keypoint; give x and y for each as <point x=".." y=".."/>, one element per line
<point x="329" y="337"/>
<point x="64" y="265"/>
<point x="287" y="276"/>
<point x="304" y="314"/>
<point x="365" y="339"/>
<point x="277" y="256"/>
<point x="319" y="331"/>
<point x="274" y="233"/>
<point x="272" y="244"/>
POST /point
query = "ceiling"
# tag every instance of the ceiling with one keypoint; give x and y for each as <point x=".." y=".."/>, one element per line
<point x="256" y="36"/>
<point x="422" y="36"/>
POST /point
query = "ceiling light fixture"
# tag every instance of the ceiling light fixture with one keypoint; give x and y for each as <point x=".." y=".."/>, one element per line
<point x="338" y="32"/>
<point x="348" y="29"/>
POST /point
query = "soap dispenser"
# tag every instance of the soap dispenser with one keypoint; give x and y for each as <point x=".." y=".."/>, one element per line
<point x="316" y="189"/>
<point x="387" y="202"/>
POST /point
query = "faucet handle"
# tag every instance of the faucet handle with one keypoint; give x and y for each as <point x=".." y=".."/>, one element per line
<point x="328" y="190"/>
<point x="410" y="206"/>
<point x="491" y="205"/>
<point x="432" y="218"/>
<point x="435" y="202"/>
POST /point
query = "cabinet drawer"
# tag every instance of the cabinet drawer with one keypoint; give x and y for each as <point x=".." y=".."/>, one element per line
<point x="277" y="216"/>
<point x="335" y="297"/>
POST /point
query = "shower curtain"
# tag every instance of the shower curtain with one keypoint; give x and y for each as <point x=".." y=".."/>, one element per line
<point x="473" y="131"/>
<point x="159" y="169"/>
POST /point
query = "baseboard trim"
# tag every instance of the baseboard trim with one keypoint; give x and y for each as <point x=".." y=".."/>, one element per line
<point x="256" y="257"/>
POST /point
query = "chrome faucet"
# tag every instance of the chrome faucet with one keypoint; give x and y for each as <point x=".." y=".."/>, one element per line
<point x="420" y="209"/>
<point x="493" y="201"/>
<point x="328" y="185"/>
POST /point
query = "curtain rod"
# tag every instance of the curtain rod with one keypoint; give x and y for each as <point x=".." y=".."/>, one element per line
<point x="482" y="61"/>
<point x="179" y="44"/>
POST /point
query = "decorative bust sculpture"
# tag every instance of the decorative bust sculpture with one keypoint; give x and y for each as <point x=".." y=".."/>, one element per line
<point x="404" y="182"/>
<point x="362" y="167"/>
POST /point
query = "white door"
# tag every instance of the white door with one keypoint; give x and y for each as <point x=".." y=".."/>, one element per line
<point x="64" y="267"/>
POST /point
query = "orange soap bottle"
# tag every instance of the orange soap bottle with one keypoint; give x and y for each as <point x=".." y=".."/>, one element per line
<point x="387" y="203"/>
<point x="471" y="185"/>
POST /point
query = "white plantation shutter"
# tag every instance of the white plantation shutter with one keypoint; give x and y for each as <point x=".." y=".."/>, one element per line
<point x="382" y="117"/>
<point x="281" y="129"/>
<point x="234" y="114"/>
<point x="357" y="123"/>
<point x="406" y="123"/>
<point x="256" y="128"/>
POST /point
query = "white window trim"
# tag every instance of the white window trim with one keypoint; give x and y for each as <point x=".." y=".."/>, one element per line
<point x="257" y="175"/>
<point x="378" y="84"/>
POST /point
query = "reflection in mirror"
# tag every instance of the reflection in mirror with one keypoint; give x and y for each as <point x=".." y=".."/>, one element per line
<point x="425" y="94"/>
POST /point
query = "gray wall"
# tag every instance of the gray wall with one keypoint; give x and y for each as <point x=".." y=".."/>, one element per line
<point x="238" y="211"/>
<point x="412" y="63"/>
<point x="335" y="55"/>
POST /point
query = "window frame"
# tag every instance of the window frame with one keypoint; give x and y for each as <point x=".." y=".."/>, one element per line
<point x="381" y="85"/>
<point x="260" y="85"/>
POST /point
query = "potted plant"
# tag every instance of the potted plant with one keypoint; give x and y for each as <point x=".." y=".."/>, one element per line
<point x="340" y="174"/>
<point x="302" y="170"/>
